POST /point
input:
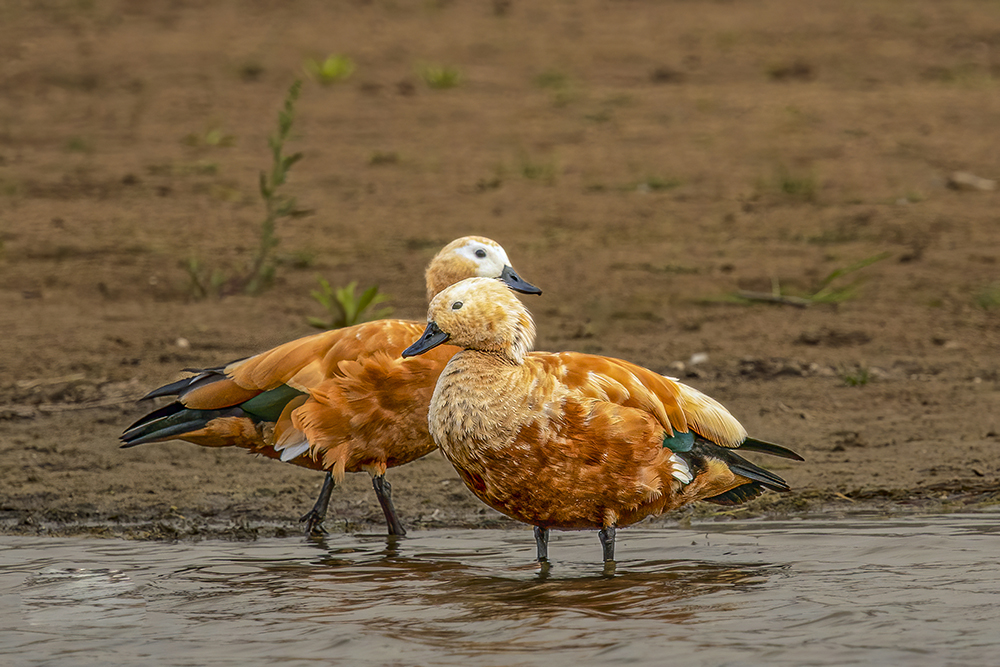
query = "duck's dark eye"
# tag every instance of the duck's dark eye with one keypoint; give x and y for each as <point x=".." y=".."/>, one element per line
<point x="456" y="305"/>
<point x="480" y="253"/>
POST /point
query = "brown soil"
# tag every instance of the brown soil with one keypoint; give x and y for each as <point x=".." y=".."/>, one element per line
<point x="640" y="161"/>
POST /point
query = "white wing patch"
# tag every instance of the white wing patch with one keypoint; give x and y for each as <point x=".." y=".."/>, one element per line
<point x="293" y="443"/>
<point x="680" y="470"/>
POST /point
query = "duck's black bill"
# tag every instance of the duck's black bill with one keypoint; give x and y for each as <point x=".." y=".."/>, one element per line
<point x="515" y="282"/>
<point x="431" y="338"/>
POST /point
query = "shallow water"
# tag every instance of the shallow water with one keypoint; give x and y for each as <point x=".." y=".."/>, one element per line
<point x="914" y="591"/>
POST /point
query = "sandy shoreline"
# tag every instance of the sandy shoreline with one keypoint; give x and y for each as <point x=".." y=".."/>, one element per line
<point x="642" y="163"/>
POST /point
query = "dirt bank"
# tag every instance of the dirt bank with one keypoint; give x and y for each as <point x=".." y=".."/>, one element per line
<point x="640" y="161"/>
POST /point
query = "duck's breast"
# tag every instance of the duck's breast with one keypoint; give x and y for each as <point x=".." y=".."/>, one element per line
<point x="556" y="457"/>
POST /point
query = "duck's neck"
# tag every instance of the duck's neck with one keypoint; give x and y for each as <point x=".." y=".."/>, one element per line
<point x="478" y="402"/>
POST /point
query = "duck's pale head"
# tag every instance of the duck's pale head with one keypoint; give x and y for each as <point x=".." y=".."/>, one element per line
<point x="473" y="257"/>
<point x="478" y="314"/>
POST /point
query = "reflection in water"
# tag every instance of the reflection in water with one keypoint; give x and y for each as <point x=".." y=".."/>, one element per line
<point x="456" y="596"/>
<point x="792" y="593"/>
<point x="438" y="599"/>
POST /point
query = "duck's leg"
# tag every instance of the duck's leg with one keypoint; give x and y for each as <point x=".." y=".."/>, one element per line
<point x="314" y="518"/>
<point x="607" y="535"/>
<point x="542" y="543"/>
<point x="383" y="491"/>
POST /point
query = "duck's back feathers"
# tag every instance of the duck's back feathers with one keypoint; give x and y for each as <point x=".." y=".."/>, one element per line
<point x="677" y="407"/>
<point x="306" y="362"/>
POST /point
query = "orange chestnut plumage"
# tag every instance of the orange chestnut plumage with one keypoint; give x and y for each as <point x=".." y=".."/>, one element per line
<point x="570" y="440"/>
<point x="341" y="400"/>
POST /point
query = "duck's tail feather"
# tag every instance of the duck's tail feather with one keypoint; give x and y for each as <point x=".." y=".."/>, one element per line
<point x="754" y="445"/>
<point x="739" y="495"/>
<point x="172" y="421"/>
<point x="202" y="377"/>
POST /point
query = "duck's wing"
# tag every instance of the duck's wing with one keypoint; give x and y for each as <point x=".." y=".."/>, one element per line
<point x="308" y="361"/>
<point x="708" y="417"/>
<point x="220" y="406"/>
<point x="371" y="414"/>
<point x="677" y="407"/>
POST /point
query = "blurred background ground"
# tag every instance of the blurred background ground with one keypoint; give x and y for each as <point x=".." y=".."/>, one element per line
<point x="640" y="161"/>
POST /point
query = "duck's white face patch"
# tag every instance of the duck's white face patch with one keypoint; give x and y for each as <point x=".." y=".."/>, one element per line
<point x="489" y="259"/>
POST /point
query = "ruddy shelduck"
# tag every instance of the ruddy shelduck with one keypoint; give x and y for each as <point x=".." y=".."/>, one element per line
<point x="570" y="440"/>
<point x="341" y="401"/>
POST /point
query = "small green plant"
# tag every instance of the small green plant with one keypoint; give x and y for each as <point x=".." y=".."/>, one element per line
<point x="825" y="292"/>
<point x="213" y="137"/>
<point x="259" y="274"/>
<point x="656" y="184"/>
<point x="331" y="70"/>
<point x="538" y="171"/>
<point x="790" y="184"/>
<point x="203" y="287"/>
<point x="277" y="206"/>
<point x="797" y="185"/>
<point x="828" y="293"/>
<point x="857" y="377"/>
<point x="563" y="89"/>
<point x="988" y="298"/>
<point x="552" y="79"/>
<point x="345" y="308"/>
<point x="440" y="77"/>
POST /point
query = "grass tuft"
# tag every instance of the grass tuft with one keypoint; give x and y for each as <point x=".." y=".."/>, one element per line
<point x="828" y="291"/>
<point x="331" y="70"/>
<point x="798" y="185"/>
<point x="988" y="298"/>
<point x="439" y="77"/>
<point x="213" y="137"/>
<point x="344" y="307"/>
<point x="857" y="377"/>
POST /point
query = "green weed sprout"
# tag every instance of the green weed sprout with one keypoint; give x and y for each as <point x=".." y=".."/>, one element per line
<point x="856" y="378"/>
<point x="345" y="308"/>
<point x="334" y="68"/>
<point x="826" y="291"/>
<point x="212" y="137"/>
<point x="440" y="78"/>
<point x="988" y="298"/>
<point x="259" y="275"/>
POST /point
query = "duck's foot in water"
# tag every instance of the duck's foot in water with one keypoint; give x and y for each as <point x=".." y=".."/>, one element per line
<point x="607" y="537"/>
<point x="542" y="544"/>
<point x="383" y="491"/>
<point x="315" y="517"/>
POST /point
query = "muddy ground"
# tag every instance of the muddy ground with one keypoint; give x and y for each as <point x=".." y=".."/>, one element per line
<point x="641" y="161"/>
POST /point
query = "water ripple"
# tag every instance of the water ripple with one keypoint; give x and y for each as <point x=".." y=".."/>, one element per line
<point x="924" y="591"/>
